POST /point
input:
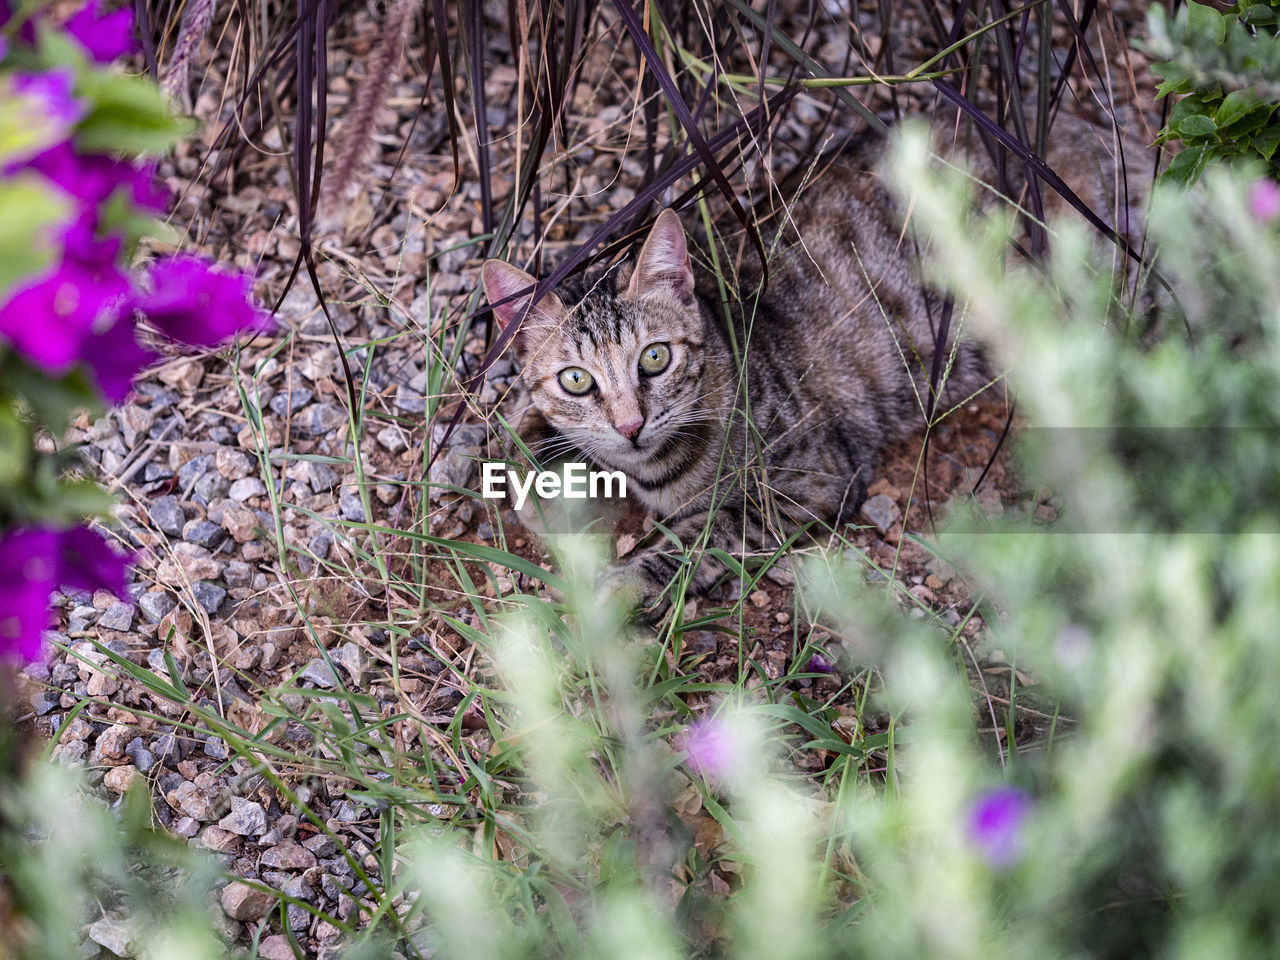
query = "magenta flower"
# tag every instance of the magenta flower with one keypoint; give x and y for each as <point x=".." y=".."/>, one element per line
<point x="30" y="558"/>
<point x="195" y="304"/>
<point x="37" y="561"/>
<point x="94" y="177"/>
<point x="715" y="750"/>
<point x="106" y="36"/>
<point x="996" y="825"/>
<point x="48" y="321"/>
<point x="87" y="562"/>
<point x="115" y="357"/>
<point x="1264" y="200"/>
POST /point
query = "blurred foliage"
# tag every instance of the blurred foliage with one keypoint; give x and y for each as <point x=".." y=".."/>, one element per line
<point x="67" y="856"/>
<point x="1224" y="68"/>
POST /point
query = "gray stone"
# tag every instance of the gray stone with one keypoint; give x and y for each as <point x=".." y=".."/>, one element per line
<point x="134" y="421"/>
<point x="321" y="844"/>
<point x="392" y="438"/>
<point x="156" y="605"/>
<point x="319" y="673"/>
<point x="208" y="595"/>
<point x="156" y="471"/>
<point x="246" y="487"/>
<point x="320" y="476"/>
<point x="142" y="758"/>
<point x="169" y="749"/>
<point x="350" y="506"/>
<point x="211" y="486"/>
<point x="351" y="658"/>
<point x="247" y="818"/>
<point x="204" y="533"/>
<point x="44" y="701"/>
<point x="194" y="469"/>
<point x="113" y="935"/>
<point x="238" y="574"/>
<point x="882" y="511"/>
<point x="291" y="401"/>
<point x="410" y="400"/>
<point x="320" y="544"/>
<point x="187" y="827"/>
<point x="453" y="468"/>
<point x="118" y="616"/>
<point x="464" y="435"/>
<point x="166" y="514"/>
<point x="216" y="748"/>
<point x="320" y="419"/>
<point x="81" y="617"/>
<point x="300" y="888"/>
<point x="288" y="855"/>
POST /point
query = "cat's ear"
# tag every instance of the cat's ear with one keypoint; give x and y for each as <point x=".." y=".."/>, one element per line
<point x="502" y="281"/>
<point x="664" y="260"/>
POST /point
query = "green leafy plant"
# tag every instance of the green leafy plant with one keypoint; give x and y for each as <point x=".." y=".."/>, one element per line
<point x="1224" y="67"/>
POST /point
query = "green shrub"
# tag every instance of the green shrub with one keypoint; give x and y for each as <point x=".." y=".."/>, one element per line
<point x="1225" y="69"/>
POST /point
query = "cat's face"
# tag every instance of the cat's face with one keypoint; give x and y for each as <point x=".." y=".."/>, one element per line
<point x="620" y="373"/>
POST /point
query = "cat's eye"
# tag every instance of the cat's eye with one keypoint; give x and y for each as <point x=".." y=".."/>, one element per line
<point x="655" y="357"/>
<point x="576" y="380"/>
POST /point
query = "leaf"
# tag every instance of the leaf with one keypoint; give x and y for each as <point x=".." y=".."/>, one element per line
<point x="127" y="115"/>
<point x="1266" y="142"/>
<point x="1235" y="105"/>
<point x="1257" y="14"/>
<point x="1197" y="125"/>
<point x="53" y="401"/>
<point x="28" y="209"/>
<point x="1188" y="165"/>
<point x="15" y="448"/>
<point x="1206" y="23"/>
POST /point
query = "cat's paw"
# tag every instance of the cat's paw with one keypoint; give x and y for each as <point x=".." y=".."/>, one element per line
<point x="632" y="589"/>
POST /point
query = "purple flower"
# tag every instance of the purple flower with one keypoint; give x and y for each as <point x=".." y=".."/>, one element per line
<point x="87" y="562"/>
<point x="995" y="826"/>
<point x="715" y="750"/>
<point x="36" y="561"/>
<point x="51" y="91"/>
<point x="1264" y="200"/>
<point x="818" y="663"/>
<point x="115" y="357"/>
<point x="39" y="110"/>
<point x="29" y="558"/>
<point x="48" y="321"/>
<point x="94" y="177"/>
<point x="106" y="36"/>
<point x="195" y="304"/>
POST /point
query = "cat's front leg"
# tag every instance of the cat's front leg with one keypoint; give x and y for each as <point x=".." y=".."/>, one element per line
<point x="646" y="583"/>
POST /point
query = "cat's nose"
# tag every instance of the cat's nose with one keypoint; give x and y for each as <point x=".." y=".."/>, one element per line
<point x="630" y="429"/>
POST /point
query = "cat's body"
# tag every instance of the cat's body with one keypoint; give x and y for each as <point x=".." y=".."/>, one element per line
<point x="836" y="355"/>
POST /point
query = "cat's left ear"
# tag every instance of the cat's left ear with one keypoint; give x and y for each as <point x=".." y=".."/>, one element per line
<point x="664" y="260"/>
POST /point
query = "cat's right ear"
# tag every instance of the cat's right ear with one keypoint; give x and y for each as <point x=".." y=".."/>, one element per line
<point x="664" y="259"/>
<point x="502" y="281"/>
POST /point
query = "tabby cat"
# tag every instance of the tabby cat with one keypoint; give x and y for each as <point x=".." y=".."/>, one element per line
<point x="643" y="371"/>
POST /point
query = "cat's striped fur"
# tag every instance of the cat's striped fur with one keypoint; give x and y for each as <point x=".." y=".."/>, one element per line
<point x="836" y="359"/>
